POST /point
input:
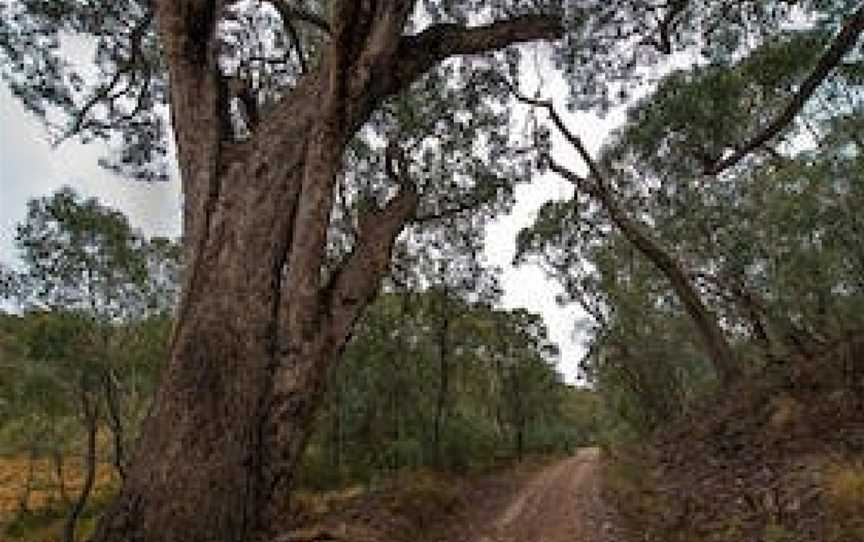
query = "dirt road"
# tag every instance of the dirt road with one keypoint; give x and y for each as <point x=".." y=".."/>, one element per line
<point x="559" y="504"/>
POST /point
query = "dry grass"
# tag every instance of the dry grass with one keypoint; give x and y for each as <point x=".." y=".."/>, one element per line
<point x="315" y="504"/>
<point x="45" y="507"/>
<point x="844" y="500"/>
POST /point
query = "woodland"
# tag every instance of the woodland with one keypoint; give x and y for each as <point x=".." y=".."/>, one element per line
<point x="327" y="319"/>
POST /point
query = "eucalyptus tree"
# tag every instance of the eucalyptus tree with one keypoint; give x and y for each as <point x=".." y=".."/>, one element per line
<point x="88" y="285"/>
<point x="82" y="258"/>
<point x="290" y="120"/>
<point x="525" y="360"/>
<point x="35" y="402"/>
<point x="755" y="73"/>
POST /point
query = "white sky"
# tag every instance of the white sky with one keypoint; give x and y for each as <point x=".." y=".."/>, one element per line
<point x="29" y="168"/>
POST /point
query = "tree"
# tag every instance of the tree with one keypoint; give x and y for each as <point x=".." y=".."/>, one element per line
<point x="700" y="121"/>
<point x="383" y="413"/>
<point x="269" y="296"/>
<point x="524" y="360"/>
<point x="91" y="286"/>
<point x="708" y="202"/>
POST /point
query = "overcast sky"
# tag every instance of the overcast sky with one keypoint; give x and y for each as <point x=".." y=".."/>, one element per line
<point x="29" y="168"/>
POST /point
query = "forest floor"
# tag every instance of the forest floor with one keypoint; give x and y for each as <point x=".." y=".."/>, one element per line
<point x="546" y="502"/>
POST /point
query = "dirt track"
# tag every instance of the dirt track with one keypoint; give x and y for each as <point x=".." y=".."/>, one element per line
<point x="559" y="504"/>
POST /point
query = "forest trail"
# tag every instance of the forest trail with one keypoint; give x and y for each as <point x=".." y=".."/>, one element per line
<point x="559" y="504"/>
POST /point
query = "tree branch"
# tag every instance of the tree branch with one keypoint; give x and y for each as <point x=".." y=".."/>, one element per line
<point x="667" y="25"/>
<point x="450" y="212"/>
<point x="297" y="45"/>
<point x="571" y="138"/>
<point x="357" y="280"/>
<point x="419" y="53"/>
<point x="599" y="187"/>
<point x="842" y="44"/>
<point x="106" y="92"/>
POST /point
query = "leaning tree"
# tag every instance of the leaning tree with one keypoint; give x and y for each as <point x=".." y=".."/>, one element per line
<point x="309" y="134"/>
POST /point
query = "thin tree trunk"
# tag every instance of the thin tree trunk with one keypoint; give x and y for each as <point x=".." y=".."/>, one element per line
<point x="715" y="341"/>
<point x="24" y="498"/>
<point x="58" y="471"/>
<point x="115" y="422"/>
<point x="90" y="410"/>
<point x="718" y="349"/>
<point x="518" y="413"/>
<point x="443" y="386"/>
<point x="721" y="354"/>
<point x="520" y="441"/>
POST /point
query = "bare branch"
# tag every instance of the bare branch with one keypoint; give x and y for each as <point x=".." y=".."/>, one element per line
<point x="421" y="52"/>
<point x="106" y="92"/>
<point x="571" y="138"/>
<point x="396" y="166"/>
<point x="667" y="25"/>
<point x="842" y="44"/>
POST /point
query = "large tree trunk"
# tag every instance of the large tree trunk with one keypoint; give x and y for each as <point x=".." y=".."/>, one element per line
<point x="258" y="327"/>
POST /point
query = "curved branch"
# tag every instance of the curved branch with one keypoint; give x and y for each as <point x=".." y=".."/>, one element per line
<point x="598" y="186"/>
<point x="842" y="44"/>
<point x="356" y="281"/>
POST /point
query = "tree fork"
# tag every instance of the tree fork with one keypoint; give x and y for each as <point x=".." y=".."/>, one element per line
<point x="257" y="330"/>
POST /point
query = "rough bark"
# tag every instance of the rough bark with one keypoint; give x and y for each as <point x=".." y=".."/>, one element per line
<point x="257" y="326"/>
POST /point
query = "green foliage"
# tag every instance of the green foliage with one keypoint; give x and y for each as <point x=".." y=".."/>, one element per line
<point x="384" y="397"/>
<point x="778" y="533"/>
<point x="95" y="299"/>
<point x="772" y="247"/>
<point x="46" y="525"/>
